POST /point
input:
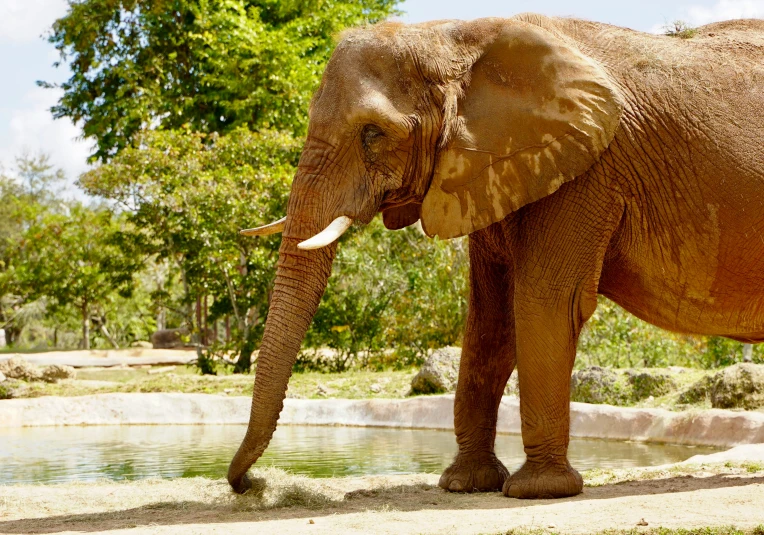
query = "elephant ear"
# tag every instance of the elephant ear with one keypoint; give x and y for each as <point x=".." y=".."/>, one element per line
<point x="402" y="216"/>
<point x="533" y="114"/>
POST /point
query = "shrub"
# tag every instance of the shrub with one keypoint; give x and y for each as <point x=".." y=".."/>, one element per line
<point x="680" y="29"/>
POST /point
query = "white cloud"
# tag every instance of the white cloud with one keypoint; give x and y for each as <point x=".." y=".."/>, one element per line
<point x="24" y="21"/>
<point x="725" y="10"/>
<point x="32" y="129"/>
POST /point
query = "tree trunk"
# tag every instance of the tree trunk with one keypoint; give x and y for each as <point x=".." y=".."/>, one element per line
<point x="107" y="335"/>
<point x="85" y="327"/>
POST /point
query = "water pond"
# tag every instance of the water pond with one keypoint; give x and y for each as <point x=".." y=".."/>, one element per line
<point x="57" y="454"/>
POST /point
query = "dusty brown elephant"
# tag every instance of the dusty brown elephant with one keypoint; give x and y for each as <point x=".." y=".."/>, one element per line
<point x="580" y="158"/>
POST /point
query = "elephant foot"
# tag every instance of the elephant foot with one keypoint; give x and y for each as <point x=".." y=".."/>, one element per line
<point x="474" y="473"/>
<point x="544" y="480"/>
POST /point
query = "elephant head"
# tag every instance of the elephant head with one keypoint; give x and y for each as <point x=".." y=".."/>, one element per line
<point x="454" y="123"/>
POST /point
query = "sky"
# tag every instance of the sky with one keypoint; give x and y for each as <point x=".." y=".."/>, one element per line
<point x="26" y="124"/>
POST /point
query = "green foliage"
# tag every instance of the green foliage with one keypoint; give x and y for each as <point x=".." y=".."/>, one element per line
<point x="72" y="259"/>
<point x="186" y="195"/>
<point x="391" y="290"/>
<point x="23" y="201"/>
<point x="214" y="65"/>
<point x="720" y="352"/>
<point x="680" y="29"/>
<point x="614" y="338"/>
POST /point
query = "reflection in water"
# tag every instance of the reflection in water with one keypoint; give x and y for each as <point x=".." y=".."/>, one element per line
<point x="55" y="454"/>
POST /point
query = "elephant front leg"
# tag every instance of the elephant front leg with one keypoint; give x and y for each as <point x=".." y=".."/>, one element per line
<point x="486" y="364"/>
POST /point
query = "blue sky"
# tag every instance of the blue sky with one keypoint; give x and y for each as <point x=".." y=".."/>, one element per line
<point x="26" y="124"/>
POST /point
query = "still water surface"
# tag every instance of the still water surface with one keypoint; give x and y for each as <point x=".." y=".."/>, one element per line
<point x="57" y="454"/>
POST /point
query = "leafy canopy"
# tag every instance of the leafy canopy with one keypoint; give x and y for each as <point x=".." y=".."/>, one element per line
<point x="213" y="65"/>
<point x="186" y="195"/>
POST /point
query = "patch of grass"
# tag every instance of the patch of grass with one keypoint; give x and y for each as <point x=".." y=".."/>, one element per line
<point x="354" y="384"/>
<point x="598" y="477"/>
<point x="275" y="488"/>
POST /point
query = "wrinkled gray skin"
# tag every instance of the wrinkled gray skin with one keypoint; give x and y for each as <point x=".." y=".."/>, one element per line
<point x="580" y="159"/>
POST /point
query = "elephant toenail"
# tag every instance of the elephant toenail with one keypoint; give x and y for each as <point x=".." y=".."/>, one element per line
<point x="456" y="486"/>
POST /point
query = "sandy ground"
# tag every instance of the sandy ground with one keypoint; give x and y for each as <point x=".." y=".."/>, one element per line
<point x="680" y="496"/>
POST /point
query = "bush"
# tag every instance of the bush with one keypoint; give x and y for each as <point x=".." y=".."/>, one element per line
<point x="390" y="290"/>
<point x="615" y="338"/>
<point x="680" y="29"/>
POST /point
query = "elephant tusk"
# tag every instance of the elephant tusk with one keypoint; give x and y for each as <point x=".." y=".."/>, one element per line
<point x="265" y="230"/>
<point x="335" y="229"/>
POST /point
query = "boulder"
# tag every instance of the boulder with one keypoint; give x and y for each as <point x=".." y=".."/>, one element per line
<point x="56" y="372"/>
<point x="169" y="338"/>
<point x="439" y="372"/>
<point x="599" y="385"/>
<point x="19" y="368"/>
<point x="12" y="388"/>
<point x="646" y="383"/>
<point x="2" y="377"/>
<point x="738" y="387"/>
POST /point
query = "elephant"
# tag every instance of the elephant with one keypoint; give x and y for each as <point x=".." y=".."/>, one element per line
<point x="580" y="159"/>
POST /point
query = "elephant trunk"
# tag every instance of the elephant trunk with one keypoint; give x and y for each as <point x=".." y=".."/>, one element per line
<point x="301" y="279"/>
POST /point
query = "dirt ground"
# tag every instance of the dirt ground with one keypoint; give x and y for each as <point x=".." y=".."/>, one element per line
<point x="682" y="496"/>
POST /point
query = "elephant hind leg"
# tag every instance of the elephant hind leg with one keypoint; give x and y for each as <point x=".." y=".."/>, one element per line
<point x="557" y="274"/>
<point x="488" y="358"/>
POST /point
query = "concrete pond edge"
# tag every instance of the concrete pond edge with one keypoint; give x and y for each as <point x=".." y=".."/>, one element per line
<point x="714" y="427"/>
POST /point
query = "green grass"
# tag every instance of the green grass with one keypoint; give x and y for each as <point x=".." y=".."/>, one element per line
<point x="355" y="384"/>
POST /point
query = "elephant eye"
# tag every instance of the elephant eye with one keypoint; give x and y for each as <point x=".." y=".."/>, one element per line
<point x="370" y="134"/>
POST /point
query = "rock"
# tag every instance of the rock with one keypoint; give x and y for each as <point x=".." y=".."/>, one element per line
<point x="163" y="369"/>
<point x="650" y="383"/>
<point x="738" y="387"/>
<point x="599" y="385"/>
<point x="142" y="344"/>
<point x="439" y="372"/>
<point x="375" y="388"/>
<point x="12" y="388"/>
<point x="2" y="377"/>
<point x="56" y="372"/>
<point x="169" y="338"/>
<point x="698" y="392"/>
<point x="19" y="368"/>
<point x="642" y="522"/>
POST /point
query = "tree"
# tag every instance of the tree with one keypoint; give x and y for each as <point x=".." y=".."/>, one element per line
<point x="24" y="199"/>
<point x="213" y="65"/>
<point x="186" y="195"/>
<point x="71" y="258"/>
<point x="388" y="289"/>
